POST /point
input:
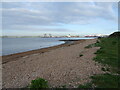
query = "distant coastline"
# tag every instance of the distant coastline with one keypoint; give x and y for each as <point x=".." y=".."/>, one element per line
<point x="38" y="36"/>
<point x="55" y="36"/>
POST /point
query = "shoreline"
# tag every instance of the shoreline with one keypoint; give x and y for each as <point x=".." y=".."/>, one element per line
<point x="59" y="65"/>
<point x="12" y="57"/>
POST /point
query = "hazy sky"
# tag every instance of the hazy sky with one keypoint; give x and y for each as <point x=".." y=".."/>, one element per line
<point x="59" y="18"/>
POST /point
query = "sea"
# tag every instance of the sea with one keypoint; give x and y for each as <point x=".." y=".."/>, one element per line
<point x="17" y="45"/>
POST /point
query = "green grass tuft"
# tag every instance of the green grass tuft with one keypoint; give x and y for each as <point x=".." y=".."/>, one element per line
<point x="87" y="85"/>
<point x="39" y="83"/>
<point x="81" y="55"/>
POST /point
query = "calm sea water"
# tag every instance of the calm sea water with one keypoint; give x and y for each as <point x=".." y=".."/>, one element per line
<point x="17" y="45"/>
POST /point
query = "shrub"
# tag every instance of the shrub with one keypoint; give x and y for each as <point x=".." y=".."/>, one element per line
<point x="39" y="83"/>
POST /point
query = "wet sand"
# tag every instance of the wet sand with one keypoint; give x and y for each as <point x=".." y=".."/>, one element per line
<point x="59" y="65"/>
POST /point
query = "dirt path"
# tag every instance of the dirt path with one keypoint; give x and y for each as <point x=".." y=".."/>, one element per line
<point x="61" y="66"/>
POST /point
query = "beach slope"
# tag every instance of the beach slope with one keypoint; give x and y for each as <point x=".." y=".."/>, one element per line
<point x="69" y="65"/>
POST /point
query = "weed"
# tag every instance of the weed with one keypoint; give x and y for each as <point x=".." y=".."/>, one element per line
<point x="81" y="55"/>
<point x="39" y="83"/>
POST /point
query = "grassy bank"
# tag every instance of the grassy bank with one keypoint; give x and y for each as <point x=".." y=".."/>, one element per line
<point x="108" y="56"/>
<point x="108" y="53"/>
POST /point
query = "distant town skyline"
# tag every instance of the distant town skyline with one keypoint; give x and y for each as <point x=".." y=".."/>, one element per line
<point x="59" y="18"/>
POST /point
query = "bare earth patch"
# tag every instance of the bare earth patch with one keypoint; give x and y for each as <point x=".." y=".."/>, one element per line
<point x="61" y="66"/>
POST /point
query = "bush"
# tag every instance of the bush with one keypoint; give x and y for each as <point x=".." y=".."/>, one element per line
<point x="39" y="83"/>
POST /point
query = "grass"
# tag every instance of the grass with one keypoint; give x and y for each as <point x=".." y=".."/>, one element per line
<point x="39" y="83"/>
<point x="108" y="52"/>
<point x="108" y="56"/>
<point x="105" y="69"/>
<point x="81" y="55"/>
<point x="105" y="81"/>
<point x="87" y="85"/>
<point x="93" y="45"/>
<point x="89" y="46"/>
<point x="63" y="86"/>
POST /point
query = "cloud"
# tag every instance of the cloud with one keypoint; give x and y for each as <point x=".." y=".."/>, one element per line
<point x="53" y="13"/>
<point x="36" y="28"/>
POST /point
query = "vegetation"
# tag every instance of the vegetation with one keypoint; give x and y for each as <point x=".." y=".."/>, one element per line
<point x="87" y="85"/>
<point x="93" y="45"/>
<point x="108" y="55"/>
<point x="105" y="81"/>
<point x="89" y="46"/>
<point x="64" y="86"/>
<point x="105" y="69"/>
<point x="81" y="55"/>
<point x="115" y="34"/>
<point x="39" y="83"/>
<point x="108" y="52"/>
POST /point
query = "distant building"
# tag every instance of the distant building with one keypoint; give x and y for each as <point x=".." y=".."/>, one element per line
<point x="50" y="35"/>
<point x="68" y="35"/>
<point x="45" y="35"/>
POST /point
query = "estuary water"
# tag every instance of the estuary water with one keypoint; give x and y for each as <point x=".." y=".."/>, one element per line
<point x="17" y="45"/>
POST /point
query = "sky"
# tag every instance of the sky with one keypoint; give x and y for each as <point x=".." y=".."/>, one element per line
<point x="59" y="18"/>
